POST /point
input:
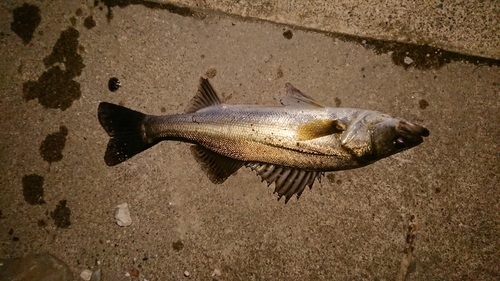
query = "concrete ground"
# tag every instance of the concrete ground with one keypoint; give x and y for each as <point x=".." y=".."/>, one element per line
<point x="430" y="213"/>
<point x="470" y="27"/>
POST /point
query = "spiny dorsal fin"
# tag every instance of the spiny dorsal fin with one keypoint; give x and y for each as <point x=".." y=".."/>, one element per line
<point x="319" y="128"/>
<point x="205" y="97"/>
<point x="288" y="181"/>
<point x="294" y="97"/>
<point x="217" y="167"/>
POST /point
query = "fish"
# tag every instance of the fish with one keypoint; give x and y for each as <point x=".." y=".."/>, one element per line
<point x="291" y="145"/>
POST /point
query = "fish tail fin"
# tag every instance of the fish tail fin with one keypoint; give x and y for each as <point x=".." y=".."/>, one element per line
<point x="125" y="127"/>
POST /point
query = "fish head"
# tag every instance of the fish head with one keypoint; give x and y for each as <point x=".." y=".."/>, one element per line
<point x="393" y="135"/>
<point x="375" y="135"/>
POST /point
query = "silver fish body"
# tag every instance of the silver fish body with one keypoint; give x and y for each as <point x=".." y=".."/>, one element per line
<point x="290" y="145"/>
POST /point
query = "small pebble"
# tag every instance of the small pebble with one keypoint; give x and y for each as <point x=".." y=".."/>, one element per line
<point x="186" y="273"/>
<point x="114" y="84"/>
<point x="216" y="272"/>
<point x="134" y="272"/>
<point x="86" y="274"/>
<point x="408" y="60"/>
<point x="96" y="275"/>
<point x="122" y="215"/>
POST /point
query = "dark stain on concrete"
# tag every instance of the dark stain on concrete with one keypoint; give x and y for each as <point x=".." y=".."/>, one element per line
<point x="288" y="34"/>
<point x="53" y="145"/>
<point x="338" y="102"/>
<point x="331" y="178"/>
<point x="423" y="56"/>
<point x="61" y="215"/>
<point x="79" y="12"/>
<point x="33" y="189"/>
<point x="211" y="73"/>
<point x="41" y="223"/>
<point x="423" y="104"/>
<point x="89" y="22"/>
<point x="72" y="20"/>
<point x="26" y="20"/>
<point x="178" y="245"/>
<point x="182" y="11"/>
<point x="20" y="68"/>
<point x="279" y="73"/>
<point x="55" y="88"/>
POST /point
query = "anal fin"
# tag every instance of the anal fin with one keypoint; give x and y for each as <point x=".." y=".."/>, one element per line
<point x="217" y="167"/>
<point x="288" y="181"/>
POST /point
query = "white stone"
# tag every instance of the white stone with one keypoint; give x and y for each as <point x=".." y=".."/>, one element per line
<point x="408" y="60"/>
<point x="186" y="273"/>
<point x="216" y="272"/>
<point x="122" y="215"/>
<point x="86" y="274"/>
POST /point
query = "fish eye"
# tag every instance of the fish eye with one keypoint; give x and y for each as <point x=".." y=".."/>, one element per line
<point x="399" y="142"/>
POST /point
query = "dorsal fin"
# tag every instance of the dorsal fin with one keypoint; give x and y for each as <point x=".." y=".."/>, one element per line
<point x="217" y="167"/>
<point x="205" y="97"/>
<point x="294" y="97"/>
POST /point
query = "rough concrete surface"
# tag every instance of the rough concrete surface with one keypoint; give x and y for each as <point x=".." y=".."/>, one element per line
<point x="430" y="213"/>
<point x="470" y="27"/>
<point x="42" y="267"/>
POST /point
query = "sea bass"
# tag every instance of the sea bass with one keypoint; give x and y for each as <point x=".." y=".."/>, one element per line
<point x="291" y="145"/>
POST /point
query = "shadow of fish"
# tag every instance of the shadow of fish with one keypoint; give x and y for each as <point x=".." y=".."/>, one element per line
<point x="291" y="145"/>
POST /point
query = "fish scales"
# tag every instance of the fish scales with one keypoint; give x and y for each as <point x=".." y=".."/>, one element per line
<point x="254" y="134"/>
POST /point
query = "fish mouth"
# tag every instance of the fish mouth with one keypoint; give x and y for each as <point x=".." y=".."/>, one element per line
<point x="415" y="130"/>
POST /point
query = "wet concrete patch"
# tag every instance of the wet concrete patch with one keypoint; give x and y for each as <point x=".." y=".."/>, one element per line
<point x="89" y="22"/>
<point x="61" y="215"/>
<point x="414" y="55"/>
<point x="55" y="88"/>
<point x="53" y="145"/>
<point x="65" y="51"/>
<point x="26" y="20"/>
<point x="33" y="189"/>
<point x="182" y="11"/>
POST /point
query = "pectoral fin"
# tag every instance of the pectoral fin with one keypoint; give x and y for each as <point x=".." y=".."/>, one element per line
<point x="217" y="167"/>
<point x="288" y="181"/>
<point x="294" y="97"/>
<point x="319" y="128"/>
